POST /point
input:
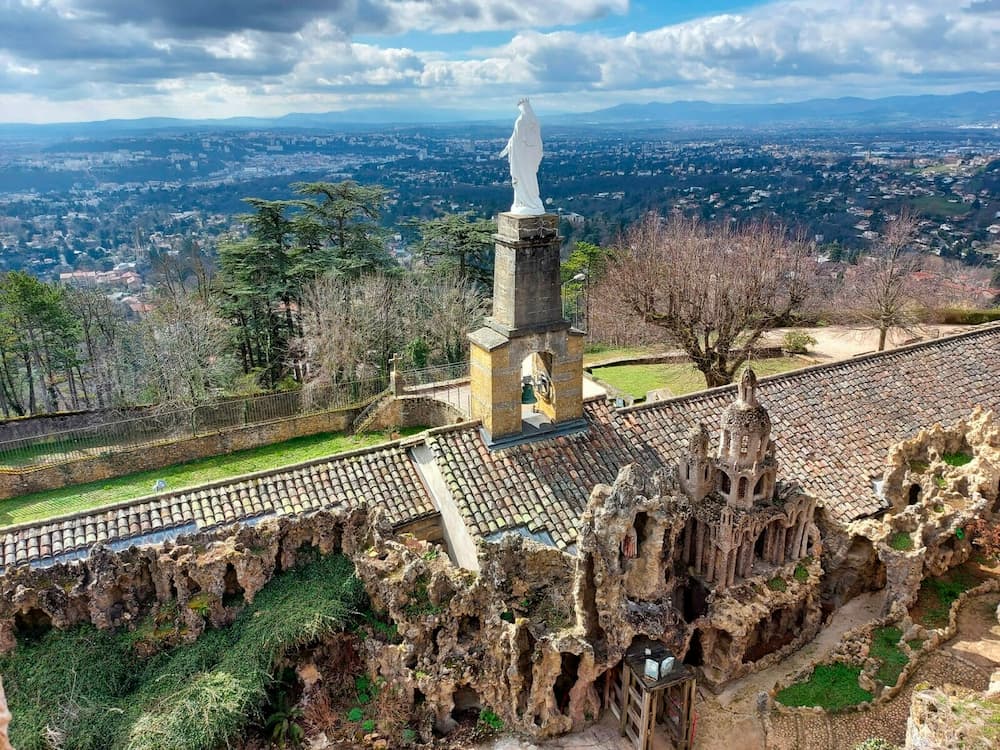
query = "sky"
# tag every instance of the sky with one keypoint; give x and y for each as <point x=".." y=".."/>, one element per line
<point x="72" y="60"/>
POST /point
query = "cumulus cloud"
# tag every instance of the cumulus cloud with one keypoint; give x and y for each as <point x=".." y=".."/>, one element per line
<point x="838" y="44"/>
<point x="270" y="56"/>
<point x="196" y="18"/>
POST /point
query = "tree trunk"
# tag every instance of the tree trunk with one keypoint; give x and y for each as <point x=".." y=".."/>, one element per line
<point x="29" y="374"/>
<point x="10" y="392"/>
<point x="83" y="386"/>
<point x="882" y="332"/>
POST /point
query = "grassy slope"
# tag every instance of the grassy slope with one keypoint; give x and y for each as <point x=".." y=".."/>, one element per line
<point x="90" y="687"/>
<point x="83" y="496"/>
<point x="637" y="380"/>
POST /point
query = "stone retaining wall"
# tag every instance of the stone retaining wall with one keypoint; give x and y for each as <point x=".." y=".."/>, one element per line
<point x="15" y="482"/>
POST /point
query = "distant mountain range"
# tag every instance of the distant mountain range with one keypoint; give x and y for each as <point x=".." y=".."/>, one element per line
<point x="970" y="109"/>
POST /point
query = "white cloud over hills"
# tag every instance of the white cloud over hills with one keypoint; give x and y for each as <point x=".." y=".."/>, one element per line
<point x="88" y="59"/>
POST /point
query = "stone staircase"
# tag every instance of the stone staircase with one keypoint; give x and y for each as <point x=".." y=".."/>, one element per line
<point x="370" y="413"/>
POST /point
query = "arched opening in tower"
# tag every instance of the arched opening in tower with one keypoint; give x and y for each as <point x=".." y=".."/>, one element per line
<point x="537" y="390"/>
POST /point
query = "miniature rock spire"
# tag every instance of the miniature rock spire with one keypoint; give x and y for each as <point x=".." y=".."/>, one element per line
<point x="697" y="472"/>
<point x="746" y="453"/>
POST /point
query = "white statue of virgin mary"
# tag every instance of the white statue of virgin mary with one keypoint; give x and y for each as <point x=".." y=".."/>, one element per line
<point x="524" y="149"/>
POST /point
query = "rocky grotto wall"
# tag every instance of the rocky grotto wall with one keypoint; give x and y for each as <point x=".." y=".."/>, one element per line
<point x="533" y="635"/>
<point x="209" y="576"/>
<point x="953" y="718"/>
<point x="937" y="484"/>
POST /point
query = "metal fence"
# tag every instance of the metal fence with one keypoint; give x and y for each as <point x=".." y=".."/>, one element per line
<point x="434" y="374"/>
<point x="108" y="437"/>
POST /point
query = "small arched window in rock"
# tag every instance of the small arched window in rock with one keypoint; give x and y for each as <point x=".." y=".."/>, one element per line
<point x="914" y="493"/>
<point x="706" y="473"/>
<point x="687" y="471"/>
<point x="744" y="482"/>
<point x="725" y="483"/>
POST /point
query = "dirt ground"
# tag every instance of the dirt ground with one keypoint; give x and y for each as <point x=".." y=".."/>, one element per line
<point x="843" y="342"/>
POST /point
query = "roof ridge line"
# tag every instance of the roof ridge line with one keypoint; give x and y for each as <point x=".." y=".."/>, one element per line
<point x="432" y="431"/>
<point x="978" y="330"/>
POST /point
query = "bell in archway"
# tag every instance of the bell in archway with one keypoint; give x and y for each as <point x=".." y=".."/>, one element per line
<point x="528" y="394"/>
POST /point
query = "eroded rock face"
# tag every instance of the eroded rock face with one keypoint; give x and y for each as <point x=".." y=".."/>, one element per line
<point x="937" y="483"/>
<point x="209" y="576"/>
<point x="951" y="717"/>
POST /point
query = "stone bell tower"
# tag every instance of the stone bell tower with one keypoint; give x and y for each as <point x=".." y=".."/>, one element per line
<point x="527" y="321"/>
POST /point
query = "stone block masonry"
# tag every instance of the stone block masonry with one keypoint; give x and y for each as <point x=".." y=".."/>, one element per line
<point x="527" y="322"/>
<point x="526" y="281"/>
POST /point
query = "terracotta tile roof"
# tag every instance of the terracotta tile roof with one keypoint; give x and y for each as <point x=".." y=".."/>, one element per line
<point x="541" y="485"/>
<point x="384" y="476"/>
<point x="833" y="424"/>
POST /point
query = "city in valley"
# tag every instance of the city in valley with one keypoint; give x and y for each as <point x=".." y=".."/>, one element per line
<point x="93" y="210"/>
<point x="424" y="375"/>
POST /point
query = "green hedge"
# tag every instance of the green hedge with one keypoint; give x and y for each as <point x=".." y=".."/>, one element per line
<point x="962" y="315"/>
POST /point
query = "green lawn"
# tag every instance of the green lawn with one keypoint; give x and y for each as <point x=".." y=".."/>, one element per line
<point x="885" y="648"/>
<point x="832" y="687"/>
<point x="600" y="353"/>
<point x="637" y="380"/>
<point x="83" y="496"/>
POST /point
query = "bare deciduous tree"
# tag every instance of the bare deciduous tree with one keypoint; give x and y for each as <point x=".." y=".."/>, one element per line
<point x="714" y="289"/>
<point x="186" y="354"/>
<point x="884" y="293"/>
<point x="352" y="327"/>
